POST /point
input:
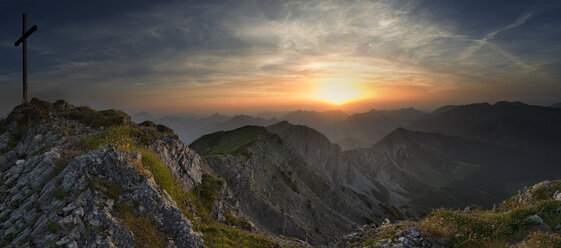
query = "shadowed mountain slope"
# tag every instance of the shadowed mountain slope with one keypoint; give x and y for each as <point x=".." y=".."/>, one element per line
<point x="279" y="189"/>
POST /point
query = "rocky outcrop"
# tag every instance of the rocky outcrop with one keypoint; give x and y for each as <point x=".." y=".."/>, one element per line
<point x="69" y="210"/>
<point x="408" y="237"/>
<point x="184" y="163"/>
<point x="53" y="196"/>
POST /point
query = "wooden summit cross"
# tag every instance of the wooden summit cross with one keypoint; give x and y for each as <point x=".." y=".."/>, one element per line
<point x="24" y="34"/>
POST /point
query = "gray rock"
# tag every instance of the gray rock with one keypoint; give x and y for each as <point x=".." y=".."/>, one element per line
<point x="442" y="241"/>
<point x="62" y="241"/>
<point x="534" y="218"/>
<point x="79" y="212"/>
<point x="72" y="244"/>
<point x="544" y="227"/>
<point x="355" y="228"/>
<point x="557" y="195"/>
<point x="415" y="233"/>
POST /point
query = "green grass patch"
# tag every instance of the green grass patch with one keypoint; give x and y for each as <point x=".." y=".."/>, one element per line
<point x="205" y="194"/>
<point x="236" y="221"/>
<point x="539" y="192"/>
<point x="230" y="142"/>
<point x="144" y="231"/>
<point x="217" y="235"/>
<point x="15" y="138"/>
<point x="546" y="191"/>
<point x="484" y="228"/>
<point x="541" y="240"/>
<point x="60" y="164"/>
<point x="97" y="119"/>
<point x="124" y="138"/>
<point x="165" y="180"/>
<point x="112" y="189"/>
<point x="53" y="227"/>
<point x="60" y="194"/>
<point x="120" y="137"/>
<point x="4" y="125"/>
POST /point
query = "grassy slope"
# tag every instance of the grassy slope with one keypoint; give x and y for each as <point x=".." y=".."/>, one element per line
<point x="504" y="226"/>
<point x="234" y="142"/>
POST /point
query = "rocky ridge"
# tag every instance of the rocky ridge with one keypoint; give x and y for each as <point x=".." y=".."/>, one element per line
<point x="75" y="177"/>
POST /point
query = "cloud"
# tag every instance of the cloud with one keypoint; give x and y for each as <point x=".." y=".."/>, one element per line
<point x="190" y="51"/>
<point x="485" y="40"/>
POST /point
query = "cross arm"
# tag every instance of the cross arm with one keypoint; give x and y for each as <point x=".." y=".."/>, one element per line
<point x="27" y="34"/>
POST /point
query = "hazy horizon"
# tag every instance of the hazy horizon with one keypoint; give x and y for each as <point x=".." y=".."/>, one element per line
<point x="256" y="113"/>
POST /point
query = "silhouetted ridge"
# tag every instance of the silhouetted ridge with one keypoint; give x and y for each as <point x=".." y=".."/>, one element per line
<point x="513" y="124"/>
<point x="443" y="109"/>
<point x="507" y="103"/>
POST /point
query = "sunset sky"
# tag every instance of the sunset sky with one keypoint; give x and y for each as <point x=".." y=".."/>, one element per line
<point x="251" y="56"/>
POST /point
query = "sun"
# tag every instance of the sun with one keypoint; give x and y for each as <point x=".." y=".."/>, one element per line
<point x="338" y="92"/>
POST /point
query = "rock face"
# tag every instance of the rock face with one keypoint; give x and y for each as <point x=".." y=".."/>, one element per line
<point x="282" y="192"/>
<point x="416" y="169"/>
<point x="53" y="196"/>
<point x="184" y="163"/>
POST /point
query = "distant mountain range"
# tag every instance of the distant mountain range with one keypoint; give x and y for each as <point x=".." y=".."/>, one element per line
<point x="529" y="129"/>
<point x="362" y="130"/>
<point x="470" y="154"/>
<point x="349" y="131"/>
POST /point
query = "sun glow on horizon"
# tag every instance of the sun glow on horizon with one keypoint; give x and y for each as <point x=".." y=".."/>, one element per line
<point x="338" y="91"/>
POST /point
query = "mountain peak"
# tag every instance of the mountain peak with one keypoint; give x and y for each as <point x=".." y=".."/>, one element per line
<point x="280" y="126"/>
<point x="444" y="109"/>
<point x="398" y="135"/>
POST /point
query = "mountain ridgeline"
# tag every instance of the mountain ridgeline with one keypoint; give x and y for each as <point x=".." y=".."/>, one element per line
<point x="75" y="177"/>
<point x="348" y="131"/>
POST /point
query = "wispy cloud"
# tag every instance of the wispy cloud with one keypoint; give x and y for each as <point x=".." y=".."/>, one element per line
<point x="469" y="51"/>
<point x="195" y="51"/>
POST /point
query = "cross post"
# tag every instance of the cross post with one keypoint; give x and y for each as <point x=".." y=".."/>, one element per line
<point x="23" y="39"/>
